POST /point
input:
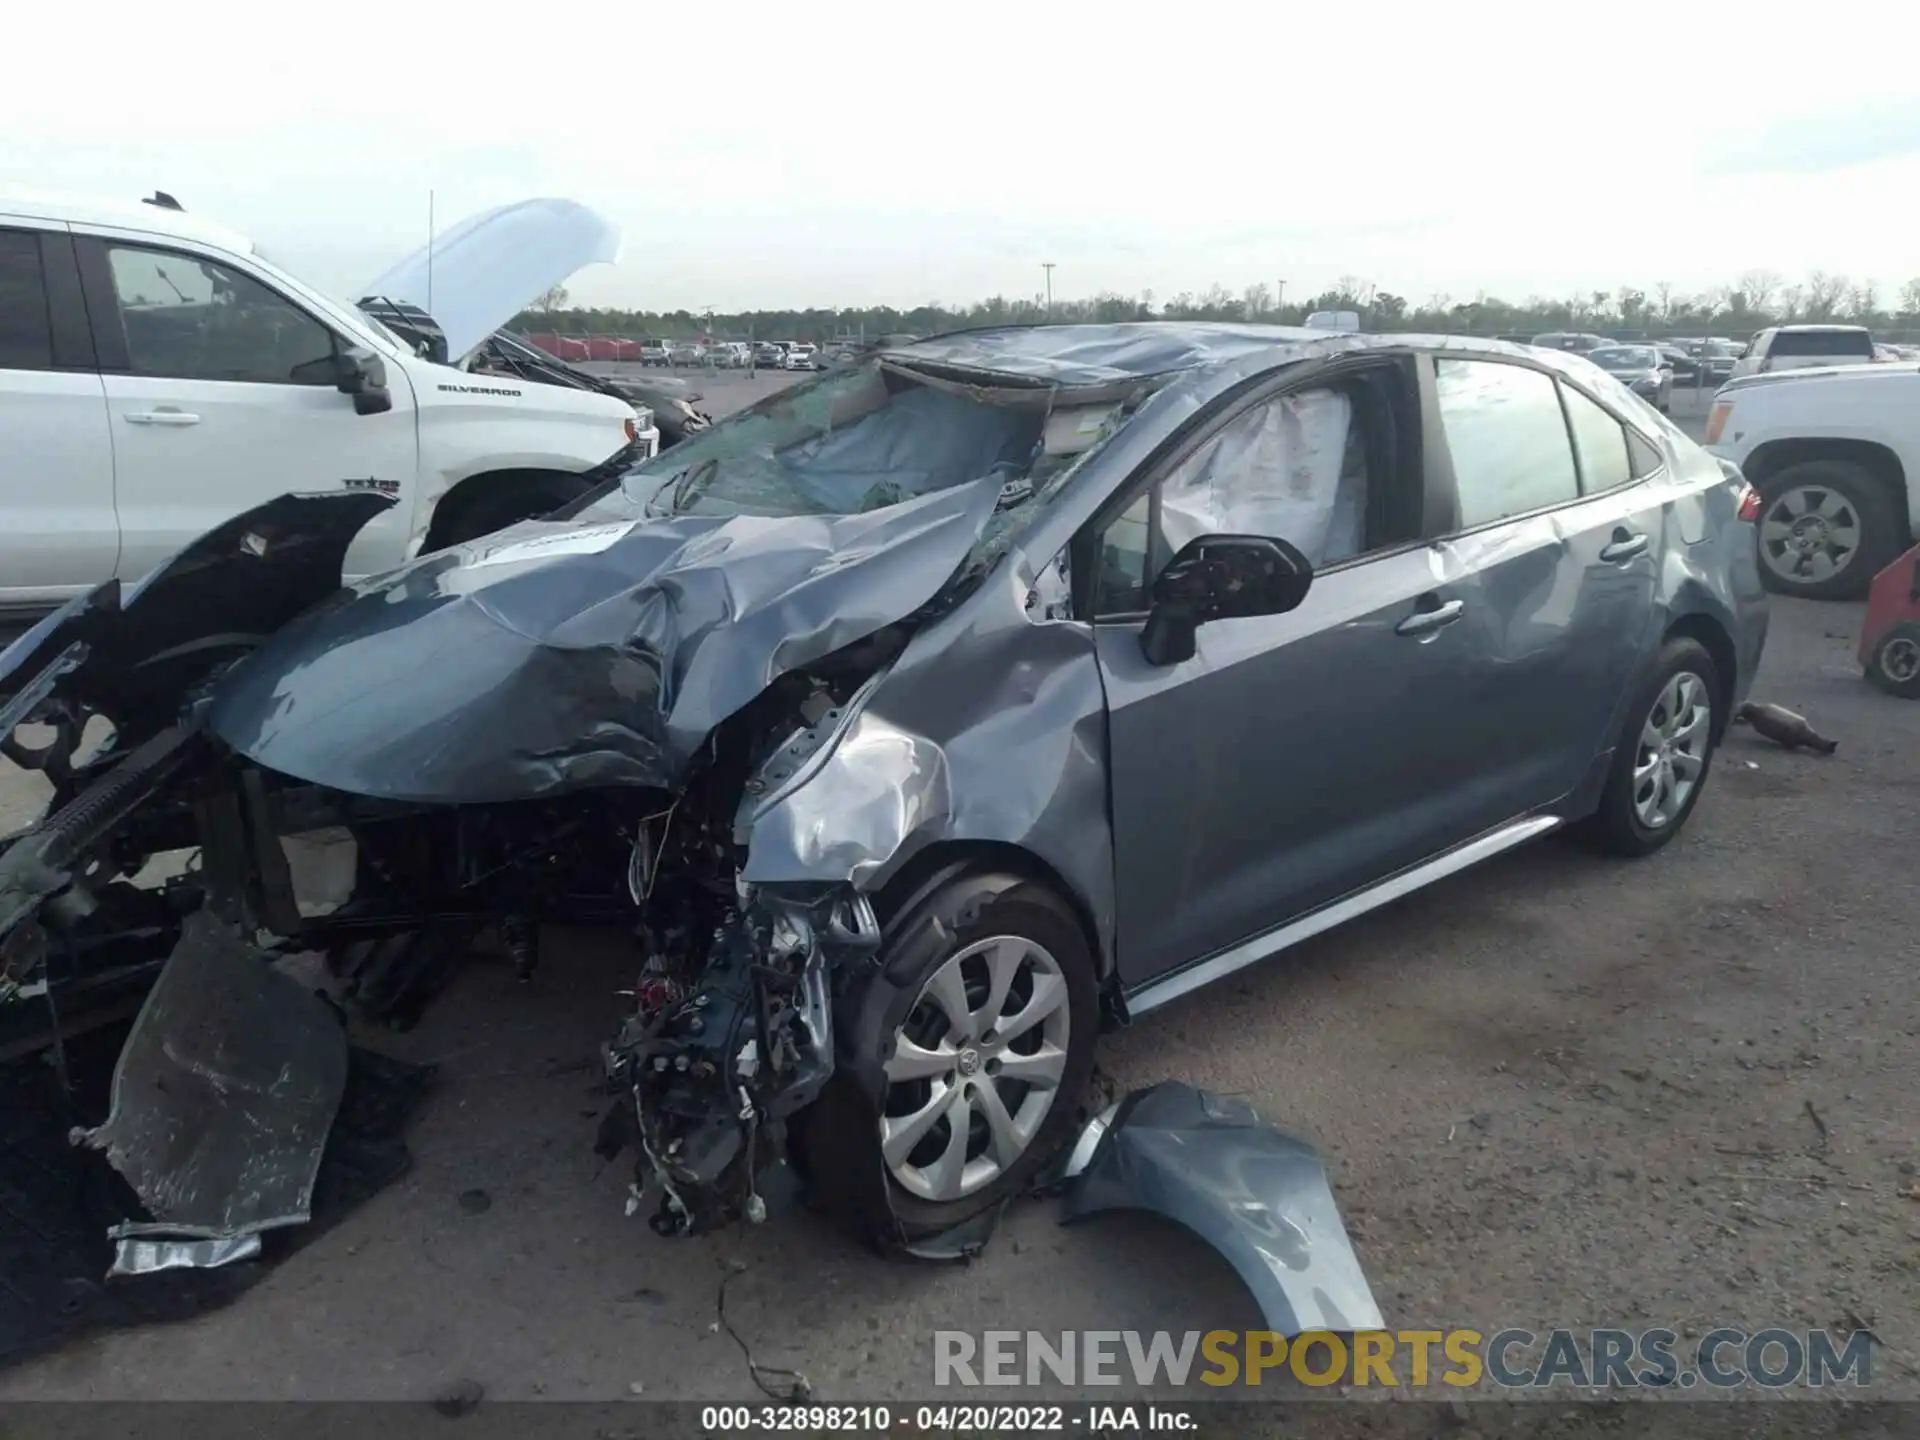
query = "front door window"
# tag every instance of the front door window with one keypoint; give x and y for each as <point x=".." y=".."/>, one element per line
<point x="188" y="318"/>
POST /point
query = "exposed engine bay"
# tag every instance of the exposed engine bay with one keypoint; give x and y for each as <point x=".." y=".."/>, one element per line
<point x="729" y="1028"/>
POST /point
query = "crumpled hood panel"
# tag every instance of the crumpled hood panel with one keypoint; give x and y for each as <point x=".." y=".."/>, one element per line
<point x="558" y="656"/>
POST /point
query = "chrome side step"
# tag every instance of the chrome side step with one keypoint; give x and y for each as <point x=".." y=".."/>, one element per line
<point x="1158" y="992"/>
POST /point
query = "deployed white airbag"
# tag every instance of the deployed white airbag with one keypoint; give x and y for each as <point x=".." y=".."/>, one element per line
<point x="1281" y="469"/>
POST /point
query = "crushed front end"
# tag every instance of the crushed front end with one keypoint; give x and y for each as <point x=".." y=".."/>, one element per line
<point x="711" y="1071"/>
<point x="329" y="784"/>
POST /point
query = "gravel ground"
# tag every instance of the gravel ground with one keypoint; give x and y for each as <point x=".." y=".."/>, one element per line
<point x="1559" y="1090"/>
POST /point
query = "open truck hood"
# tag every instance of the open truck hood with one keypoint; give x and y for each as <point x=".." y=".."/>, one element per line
<point x="557" y="656"/>
<point x="477" y="276"/>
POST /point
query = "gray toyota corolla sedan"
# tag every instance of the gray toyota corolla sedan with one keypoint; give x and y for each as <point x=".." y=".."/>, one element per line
<point x="914" y="722"/>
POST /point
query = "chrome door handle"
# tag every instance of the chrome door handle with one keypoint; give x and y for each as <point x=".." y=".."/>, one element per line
<point x="1425" y="622"/>
<point x="1624" y="548"/>
<point x="161" y="417"/>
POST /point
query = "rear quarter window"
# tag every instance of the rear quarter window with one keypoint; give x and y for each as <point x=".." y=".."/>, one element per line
<point x="1600" y="442"/>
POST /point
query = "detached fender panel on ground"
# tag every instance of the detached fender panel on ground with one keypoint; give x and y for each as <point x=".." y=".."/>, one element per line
<point x="1256" y="1194"/>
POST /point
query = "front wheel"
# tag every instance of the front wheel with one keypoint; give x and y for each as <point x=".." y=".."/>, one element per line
<point x="1895" y="664"/>
<point x="1662" y="756"/>
<point x="985" y="1047"/>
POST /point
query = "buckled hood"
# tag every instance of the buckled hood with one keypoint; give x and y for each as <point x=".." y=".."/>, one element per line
<point x="555" y="656"/>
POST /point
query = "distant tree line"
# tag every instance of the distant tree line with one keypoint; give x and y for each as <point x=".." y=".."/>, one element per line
<point x="1751" y="301"/>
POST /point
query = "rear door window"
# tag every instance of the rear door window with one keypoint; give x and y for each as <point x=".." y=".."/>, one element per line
<point x="1836" y="344"/>
<point x="1508" y="438"/>
<point x="26" y="328"/>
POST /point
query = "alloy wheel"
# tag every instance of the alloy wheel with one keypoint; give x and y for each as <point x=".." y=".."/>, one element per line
<point x="1900" y="660"/>
<point x="975" y="1068"/>
<point x="1672" y="753"/>
<point x="1809" y="534"/>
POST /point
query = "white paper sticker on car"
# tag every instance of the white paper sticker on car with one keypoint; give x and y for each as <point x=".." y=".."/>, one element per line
<point x="590" y="540"/>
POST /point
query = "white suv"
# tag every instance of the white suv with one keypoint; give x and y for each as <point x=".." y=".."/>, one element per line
<point x="1835" y="454"/>
<point x="158" y="376"/>
<point x="1800" y="347"/>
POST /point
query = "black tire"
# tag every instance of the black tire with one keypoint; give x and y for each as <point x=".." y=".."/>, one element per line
<point x="1872" y="506"/>
<point x="930" y="930"/>
<point x="1616" y="826"/>
<point x="507" y="504"/>
<point x="1890" y="667"/>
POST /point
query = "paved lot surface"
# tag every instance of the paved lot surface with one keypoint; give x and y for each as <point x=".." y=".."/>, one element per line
<point x="1558" y="1090"/>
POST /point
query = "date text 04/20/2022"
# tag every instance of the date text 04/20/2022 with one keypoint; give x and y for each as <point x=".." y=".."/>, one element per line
<point x="942" y="1419"/>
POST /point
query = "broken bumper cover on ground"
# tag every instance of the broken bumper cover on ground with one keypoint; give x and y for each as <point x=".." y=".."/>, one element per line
<point x="1256" y="1194"/>
<point x="222" y="1102"/>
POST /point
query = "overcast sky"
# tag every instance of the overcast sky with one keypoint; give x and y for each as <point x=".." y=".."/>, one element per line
<point x="834" y="152"/>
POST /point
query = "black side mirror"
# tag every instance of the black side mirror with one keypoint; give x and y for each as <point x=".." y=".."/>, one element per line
<point x="1221" y="577"/>
<point x="363" y="375"/>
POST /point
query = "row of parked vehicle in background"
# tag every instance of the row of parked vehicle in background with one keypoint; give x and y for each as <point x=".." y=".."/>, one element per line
<point x="663" y="353"/>
<point x="1713" y="359"/>
<point x="720" y="354"/>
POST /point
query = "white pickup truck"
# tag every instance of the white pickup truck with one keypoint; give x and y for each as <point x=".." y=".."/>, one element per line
<point x="1835" y="454"/>
<point x="159" y="375"/>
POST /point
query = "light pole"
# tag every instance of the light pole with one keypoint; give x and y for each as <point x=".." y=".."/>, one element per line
<point x="1047" y="265"/>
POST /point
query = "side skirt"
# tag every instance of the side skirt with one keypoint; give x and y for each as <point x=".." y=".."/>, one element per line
<point x="1170" y="987"/>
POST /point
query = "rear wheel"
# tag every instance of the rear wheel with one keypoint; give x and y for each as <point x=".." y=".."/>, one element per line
<point x="1662" y="756"/>
<point x="1828" y="526"/>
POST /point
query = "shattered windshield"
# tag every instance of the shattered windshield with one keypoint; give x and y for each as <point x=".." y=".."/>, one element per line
<point x="869" y="437"/>
<point x="855" y="441"/>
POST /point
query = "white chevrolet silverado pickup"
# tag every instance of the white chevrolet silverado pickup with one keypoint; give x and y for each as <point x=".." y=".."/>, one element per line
<point x="159" y="375"/>
<point x="1835" y="454"/>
